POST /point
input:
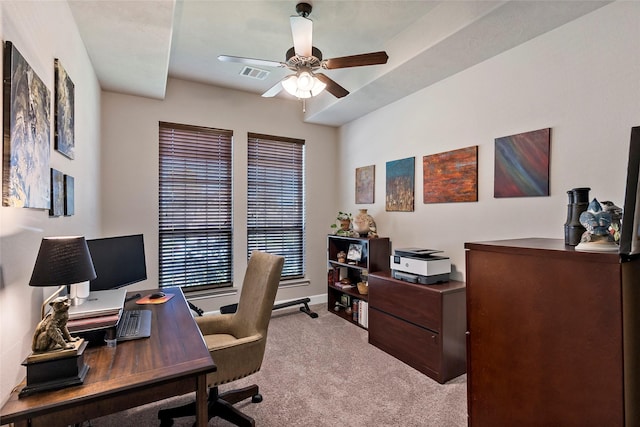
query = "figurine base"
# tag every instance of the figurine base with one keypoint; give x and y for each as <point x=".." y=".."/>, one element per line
<point x="597" y="247"/>
<point x="55" y="370"/>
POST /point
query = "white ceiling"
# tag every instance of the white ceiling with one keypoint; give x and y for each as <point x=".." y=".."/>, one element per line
<point x="136" y="45"/>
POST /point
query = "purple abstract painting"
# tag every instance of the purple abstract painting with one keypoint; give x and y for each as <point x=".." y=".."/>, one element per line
<point x="522" y="164"/>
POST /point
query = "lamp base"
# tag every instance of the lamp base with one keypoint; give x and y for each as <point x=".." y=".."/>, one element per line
<point x="54" y="370"/>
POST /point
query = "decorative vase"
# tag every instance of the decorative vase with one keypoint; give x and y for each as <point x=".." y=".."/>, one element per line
<point x="364" y="224"/>
<point x="578" y="203"/>
<point x="345" y="224"/>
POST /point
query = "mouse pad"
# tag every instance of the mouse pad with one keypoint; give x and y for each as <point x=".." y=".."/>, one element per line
<point x="146" y="300"/>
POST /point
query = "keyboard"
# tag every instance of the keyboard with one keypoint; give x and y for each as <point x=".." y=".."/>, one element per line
<point x="134" y="324"/>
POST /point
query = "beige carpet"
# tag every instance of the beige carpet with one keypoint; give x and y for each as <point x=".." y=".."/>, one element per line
<point x="323" y="372"/>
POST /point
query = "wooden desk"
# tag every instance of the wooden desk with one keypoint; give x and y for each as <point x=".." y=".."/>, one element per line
<point x="172" y="362"/>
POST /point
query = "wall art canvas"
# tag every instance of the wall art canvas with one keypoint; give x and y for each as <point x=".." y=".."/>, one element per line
<point x="69" y="195"/>
<point x="451" y="176"/>
<point x="64" y="109"/>
<point x="365" y="184"/>
<point x="522" y="164"/>
<point x="26" y="148"/>
<point x="57" y="193"/>
<point x="400" y="185"/>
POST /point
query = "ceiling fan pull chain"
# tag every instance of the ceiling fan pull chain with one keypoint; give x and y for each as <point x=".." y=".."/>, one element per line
<point x="304" y="105"/>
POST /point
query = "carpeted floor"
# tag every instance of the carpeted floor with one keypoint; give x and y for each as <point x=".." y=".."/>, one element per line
<point x="323" y="372"/>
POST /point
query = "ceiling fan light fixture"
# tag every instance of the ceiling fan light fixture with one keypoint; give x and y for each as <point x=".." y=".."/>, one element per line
<point x="303" y="85"/>
<point x="305" y="80"/>
<point x="318" y="86"/>
<point x="290" y="84"/>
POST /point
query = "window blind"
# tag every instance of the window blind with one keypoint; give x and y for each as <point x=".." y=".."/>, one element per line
<point x="195" y="223"/>
<point x="275" y="200"/>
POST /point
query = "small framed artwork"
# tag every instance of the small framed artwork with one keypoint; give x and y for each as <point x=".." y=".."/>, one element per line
<point x="27" y="135"/>
<point x="57" y="193"/>
<point x="355" y="252"/>
<point x="522" y="164"/>
<point x="69" y="196"/>
<point x="365" y="184"/>
<point x="64" y="112"/>
<point x="400" y="185"/>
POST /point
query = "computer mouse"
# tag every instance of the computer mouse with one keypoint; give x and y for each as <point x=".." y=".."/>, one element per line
<point x="156" y="295"/>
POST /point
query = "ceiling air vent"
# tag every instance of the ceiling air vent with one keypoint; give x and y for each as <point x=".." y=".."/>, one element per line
<point x="254" y="73"/>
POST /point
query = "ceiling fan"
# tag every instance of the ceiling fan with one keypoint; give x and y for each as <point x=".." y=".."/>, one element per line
<point x="305" y="60"/>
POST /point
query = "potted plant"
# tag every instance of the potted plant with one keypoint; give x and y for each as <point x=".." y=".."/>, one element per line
<point x="343" y="224"/>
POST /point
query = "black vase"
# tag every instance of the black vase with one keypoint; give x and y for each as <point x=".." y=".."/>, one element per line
<point x="578" y="203"/>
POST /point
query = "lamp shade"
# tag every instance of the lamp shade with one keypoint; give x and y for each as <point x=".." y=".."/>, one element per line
<point x="62" y="261"/>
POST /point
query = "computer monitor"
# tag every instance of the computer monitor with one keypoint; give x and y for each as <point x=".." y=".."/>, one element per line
<point x="118" y="261"/>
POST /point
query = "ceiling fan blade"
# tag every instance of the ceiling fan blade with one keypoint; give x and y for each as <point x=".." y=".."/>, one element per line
<point x="251" y="61"/>
<point x="302" y="30"/>
<point x="332" y="87"/>
<point x="373" y="58"/>
<point x="273" y="91"/>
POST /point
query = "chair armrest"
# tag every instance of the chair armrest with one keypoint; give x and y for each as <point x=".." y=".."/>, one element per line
<point x="215" y="324"/>
<point x="237" y="343"/>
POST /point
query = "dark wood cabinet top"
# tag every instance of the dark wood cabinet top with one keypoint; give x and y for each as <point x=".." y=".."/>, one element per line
<point x="543" y="247"/>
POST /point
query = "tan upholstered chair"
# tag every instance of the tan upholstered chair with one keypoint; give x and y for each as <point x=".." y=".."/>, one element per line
<point x="237" y="342"/>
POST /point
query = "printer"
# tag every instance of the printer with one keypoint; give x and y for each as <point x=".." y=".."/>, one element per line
<point x="416" y="265"/>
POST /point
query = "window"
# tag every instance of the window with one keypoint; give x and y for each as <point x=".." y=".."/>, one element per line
<point x="195" y="224"/>
<point x="275" y="200"/>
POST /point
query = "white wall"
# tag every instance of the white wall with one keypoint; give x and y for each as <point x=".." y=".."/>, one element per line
<point x="130" y="165"/>
<point x="42" y="31"/>
<point x="581" y="80"/>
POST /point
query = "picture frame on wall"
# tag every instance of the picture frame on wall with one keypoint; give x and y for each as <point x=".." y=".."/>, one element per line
<point x="69" y="195"/>
<point x="400" y="185"/>
<point x="64" y="141"/>
<point x="365" y="184"/>
<point x="451" y="176"/>
<point x="522" y="164"/>
<point x="57" y="193"/>
<point x="27" y="135"/>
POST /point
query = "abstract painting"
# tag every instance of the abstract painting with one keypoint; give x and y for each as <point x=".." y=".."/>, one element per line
<point x="27" y="135"/>
<point x="451" y="176"/>
<point x="69" y="196"/>
<point x="522" y="164"/>
<point x="57" y="193"/>
<point x="365" y="184"/>
<point x="400" y="185"/>
<point x="64" y="118"/>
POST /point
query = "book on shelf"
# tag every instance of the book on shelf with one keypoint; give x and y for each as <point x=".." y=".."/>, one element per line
<point x="341" y="285"/>
<point x="363" y="313"/>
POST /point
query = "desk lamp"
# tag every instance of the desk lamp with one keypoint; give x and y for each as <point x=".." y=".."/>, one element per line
<point x="62" y="261"/>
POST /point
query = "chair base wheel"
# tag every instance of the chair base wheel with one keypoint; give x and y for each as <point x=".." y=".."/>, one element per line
<point x="257" y="398"/>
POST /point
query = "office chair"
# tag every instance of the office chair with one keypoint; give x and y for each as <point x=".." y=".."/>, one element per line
<point x="237" y="342"/>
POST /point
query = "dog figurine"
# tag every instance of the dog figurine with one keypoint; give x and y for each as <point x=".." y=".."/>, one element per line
<point x="52" y="333"/>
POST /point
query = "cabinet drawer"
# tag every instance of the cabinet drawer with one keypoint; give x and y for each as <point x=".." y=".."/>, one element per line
<point x="414" y="303"/>
<point x="417" y="347"/>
